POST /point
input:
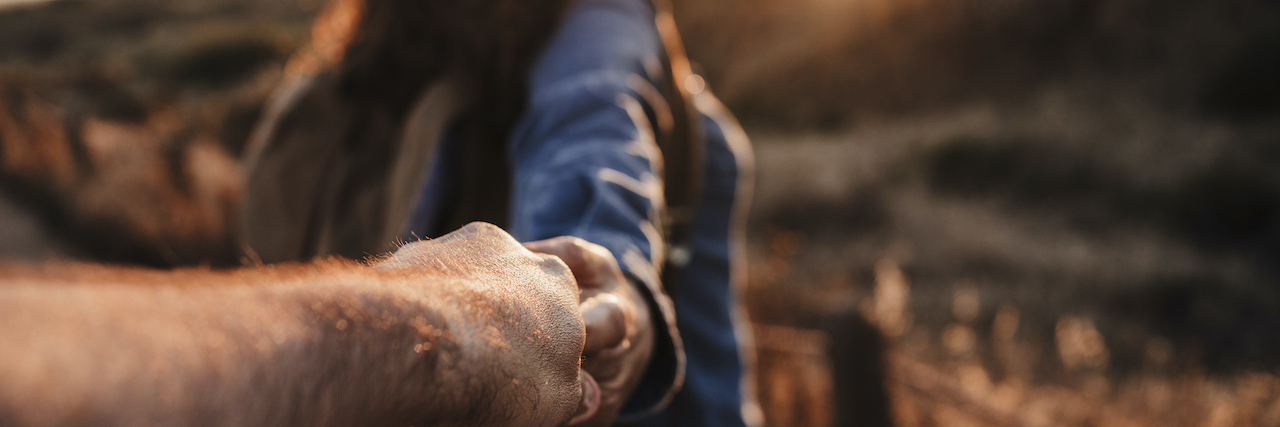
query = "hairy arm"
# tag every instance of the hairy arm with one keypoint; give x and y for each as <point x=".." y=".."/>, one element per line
<point x="469" y="329"/>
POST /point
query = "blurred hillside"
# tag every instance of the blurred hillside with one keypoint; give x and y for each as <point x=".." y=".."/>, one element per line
<point x="1057" y="212"/>
<point x="1110" y="157"/>
<point x="832" y="63"/>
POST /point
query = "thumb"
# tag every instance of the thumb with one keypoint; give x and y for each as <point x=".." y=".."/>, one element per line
<point x="605" y="320"/>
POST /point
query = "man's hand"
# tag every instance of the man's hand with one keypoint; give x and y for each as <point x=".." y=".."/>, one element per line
<point x="527" y="293"/>
<point x="619" y="330"/>
<point x="470" y="329"/>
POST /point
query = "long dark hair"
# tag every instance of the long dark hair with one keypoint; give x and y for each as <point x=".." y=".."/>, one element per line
<point x="395" y="47"/>
<point x="385" y="52"/>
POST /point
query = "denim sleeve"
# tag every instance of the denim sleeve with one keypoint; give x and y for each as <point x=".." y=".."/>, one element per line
<point x="586" y="164"/>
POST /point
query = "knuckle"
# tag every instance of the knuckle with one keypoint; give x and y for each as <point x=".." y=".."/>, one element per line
<point x="615" y="304"/>
<point x="481" y="232"/>
<point x="480" y="227"/>
<point x="617" y="316"/>
<point x="556" y="268"/>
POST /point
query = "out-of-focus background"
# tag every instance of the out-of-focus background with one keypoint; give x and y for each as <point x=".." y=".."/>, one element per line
<point x="967" y="213"/>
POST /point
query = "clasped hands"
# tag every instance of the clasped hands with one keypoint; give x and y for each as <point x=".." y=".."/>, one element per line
<point x="529" y="281"/>
<point x="619" y="337"/>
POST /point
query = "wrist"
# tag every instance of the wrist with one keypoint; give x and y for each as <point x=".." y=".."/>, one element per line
<point x="664" y="374"/>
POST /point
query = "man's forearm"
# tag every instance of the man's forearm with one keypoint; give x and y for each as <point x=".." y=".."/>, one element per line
<point x="334" y="343"/>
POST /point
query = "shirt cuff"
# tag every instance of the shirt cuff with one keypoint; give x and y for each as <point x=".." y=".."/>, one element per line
<point x="664" y="375"/>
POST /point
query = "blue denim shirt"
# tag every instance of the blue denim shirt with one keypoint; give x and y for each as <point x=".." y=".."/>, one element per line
<point x="585" y="164"/>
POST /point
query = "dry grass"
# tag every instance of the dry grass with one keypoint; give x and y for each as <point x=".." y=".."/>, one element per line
<point x="1030" y="265"/>
<point x="989" y="372"/>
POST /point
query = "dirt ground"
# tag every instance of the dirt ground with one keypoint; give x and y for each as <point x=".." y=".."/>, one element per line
<point x="1017" y="213"/>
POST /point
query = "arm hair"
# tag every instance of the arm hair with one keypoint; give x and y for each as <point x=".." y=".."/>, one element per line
<point x="328" y="343"/>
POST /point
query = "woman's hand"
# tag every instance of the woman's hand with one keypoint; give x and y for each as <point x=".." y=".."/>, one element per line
<point x="619" y="331"/>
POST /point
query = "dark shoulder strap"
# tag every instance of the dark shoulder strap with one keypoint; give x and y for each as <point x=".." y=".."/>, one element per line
<point x="682" y="147"/>
<point x="308" y="193"/>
